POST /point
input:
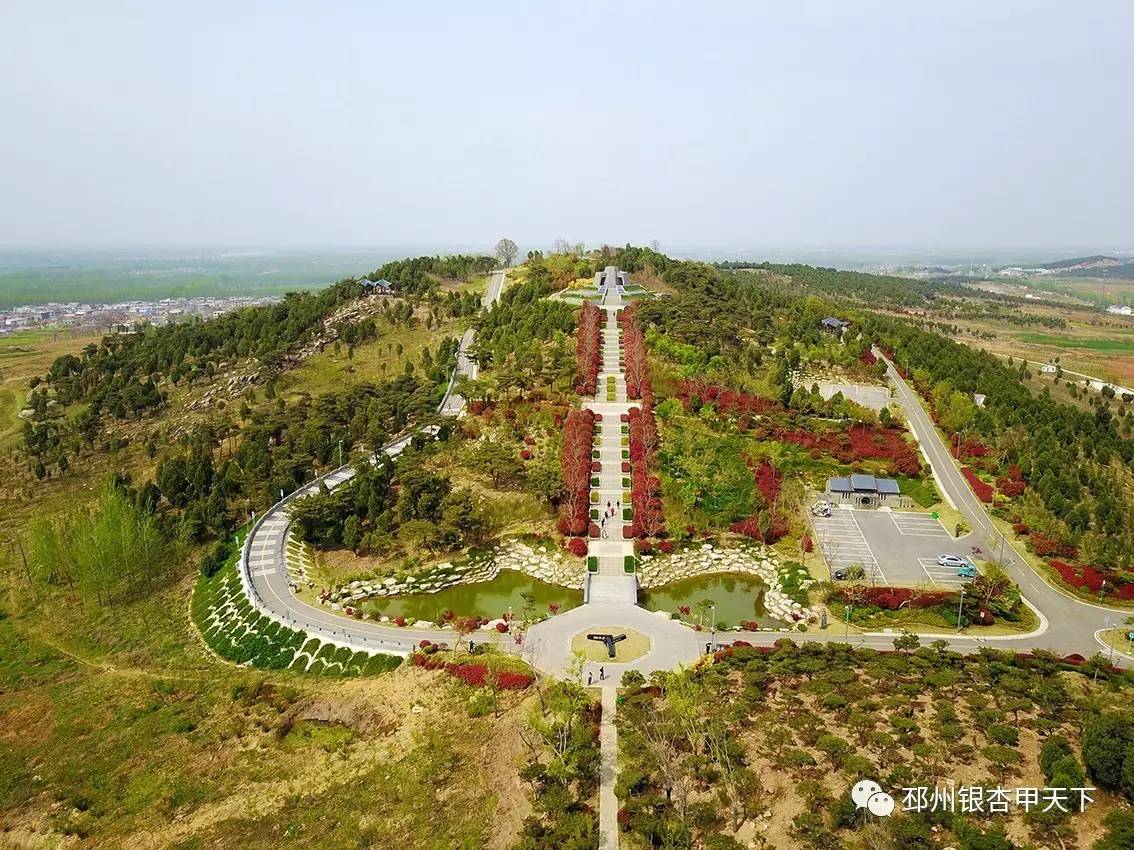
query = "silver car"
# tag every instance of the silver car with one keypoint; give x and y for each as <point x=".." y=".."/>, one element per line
<point x="954" y="561"/>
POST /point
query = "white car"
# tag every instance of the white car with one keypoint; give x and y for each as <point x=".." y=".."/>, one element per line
<point x="954" y="561"/>
<point x="821" y="509"/>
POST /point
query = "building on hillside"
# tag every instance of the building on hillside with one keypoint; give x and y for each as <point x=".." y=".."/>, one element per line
<point x="1048" y="369"/>
<point x="378" y="287"/>
<point x="609" y="276"/>
<point x="864" y="491"/>
<point x="834" y="325"/>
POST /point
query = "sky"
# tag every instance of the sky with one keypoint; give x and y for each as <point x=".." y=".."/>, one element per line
<point x="843" y="124"/>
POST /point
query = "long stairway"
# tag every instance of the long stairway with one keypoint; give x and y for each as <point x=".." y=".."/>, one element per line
<point x="611" y="583"/>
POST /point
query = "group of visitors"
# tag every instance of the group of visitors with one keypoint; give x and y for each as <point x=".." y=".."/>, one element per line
<point x="610" y="512"/>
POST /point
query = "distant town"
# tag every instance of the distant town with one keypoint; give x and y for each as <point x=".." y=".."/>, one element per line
<point x="122" y="317"/>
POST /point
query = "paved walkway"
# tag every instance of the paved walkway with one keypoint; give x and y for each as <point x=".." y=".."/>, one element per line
<point x="611" y="583"/>
<point x="608" y="771"/>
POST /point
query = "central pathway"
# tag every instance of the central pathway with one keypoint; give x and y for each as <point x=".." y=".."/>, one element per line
<point x="608" y="771"/>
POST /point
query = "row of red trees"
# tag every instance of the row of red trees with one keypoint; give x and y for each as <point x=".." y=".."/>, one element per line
<point x="474" y="673"/>
<point x="645" y="492"/>
<point x="588" y="350"/>
<point x="575" y="461"/>
<point x="636" y="364"/>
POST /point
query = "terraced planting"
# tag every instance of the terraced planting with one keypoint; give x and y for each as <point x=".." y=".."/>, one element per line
<point x="239" y="633"/>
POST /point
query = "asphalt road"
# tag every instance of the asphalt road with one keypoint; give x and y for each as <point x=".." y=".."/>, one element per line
<point x="264" y="566"/>
<point x="1071" y="621"/>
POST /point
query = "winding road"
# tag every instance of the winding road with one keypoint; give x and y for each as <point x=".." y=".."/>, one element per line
<point x="1066" y="624"/>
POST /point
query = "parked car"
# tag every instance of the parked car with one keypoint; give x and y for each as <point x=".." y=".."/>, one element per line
<point x="955" y="561"/>
<point x="967" y="571"/>
<point x="852" y="573"/>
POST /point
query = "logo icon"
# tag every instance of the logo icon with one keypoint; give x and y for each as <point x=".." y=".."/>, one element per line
<point x="868" y="794"/>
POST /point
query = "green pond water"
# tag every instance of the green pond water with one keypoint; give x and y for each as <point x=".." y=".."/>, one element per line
<point x="488" y="599"/>
<point x="737" y="597"/>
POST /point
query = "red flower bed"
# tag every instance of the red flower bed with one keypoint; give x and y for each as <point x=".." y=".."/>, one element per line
<point x="868" y="357"/>
<point x="625" y="467"/>
<point x="588" y="350"/>
<point x="893" y="598"/>
<point x="575" y="460"/>
<point x="1089" y="578"/>
<point x="983" y="490"/>
<point x="596" y="467"/>
<point x="577" y="546"/>
<point x="474" y="673"/>
<point x="726" y="401"/>
<point x="593" y="530"/>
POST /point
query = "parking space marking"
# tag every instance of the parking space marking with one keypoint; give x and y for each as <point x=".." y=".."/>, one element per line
<point x="917" y="525"/>
<point x="941" y="575"/>
<point x="844" y="535"/>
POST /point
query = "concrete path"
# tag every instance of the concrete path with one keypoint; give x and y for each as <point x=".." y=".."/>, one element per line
<point x="608" y="771"/>
<point x="672" y="645"/>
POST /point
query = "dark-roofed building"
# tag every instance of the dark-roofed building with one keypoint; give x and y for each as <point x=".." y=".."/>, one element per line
<point x="377" y="287"/>
<point x="834" y="325"/>
<point x="865" y="490"/>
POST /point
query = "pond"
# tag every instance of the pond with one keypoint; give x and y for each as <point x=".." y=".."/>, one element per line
<point x="488" y="599"/>
<point x="737" y="597"/>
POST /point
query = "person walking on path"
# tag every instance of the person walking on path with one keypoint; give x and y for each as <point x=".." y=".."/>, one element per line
<point x="601" y="673"/>
<point x="590" y="676"/>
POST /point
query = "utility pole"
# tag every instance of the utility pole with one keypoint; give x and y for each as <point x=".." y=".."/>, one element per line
<point x="714" y="626"/>
<point x="960" y="607"/>
<point x="846" y="631"/>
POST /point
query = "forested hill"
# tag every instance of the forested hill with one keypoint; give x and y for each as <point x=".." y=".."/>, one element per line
<point x="1076" y="463"/>
<point x="863" y="288"/>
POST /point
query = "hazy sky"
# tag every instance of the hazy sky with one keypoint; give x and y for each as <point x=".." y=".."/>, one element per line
<point x="977" y="124"/>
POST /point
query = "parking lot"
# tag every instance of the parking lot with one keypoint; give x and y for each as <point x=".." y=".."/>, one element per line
<point x="892" y="547"/>
<point x="868" y="395"/>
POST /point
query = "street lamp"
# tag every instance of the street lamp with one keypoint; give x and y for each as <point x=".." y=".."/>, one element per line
<point x="960" y="607"/>
<point x="713" y="626"/>
<point x="846" y="632"/>
<point x="1109" y="624"/>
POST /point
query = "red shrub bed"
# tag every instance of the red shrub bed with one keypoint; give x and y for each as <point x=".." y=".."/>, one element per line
<point x="596" y="467"/>
<point x="1045" y="545"/>
<point x="575" y="461"/>
<point x="893" y="598"/>
<point x="971" y="447"/>
<point x="1012" y="484"/>
<point x="725" y="400"/>
<point x="625" y="467"/>
<point x="807" y="543"/>
<point x="525" y="454"/>
<point x="588" y="350"/>
<point x="868" y="357"/>
<point x="474" y="673"/>
<point x="982" y="490"/>
<point x="1084" y="578"/>
<point x="857" y="443"/>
